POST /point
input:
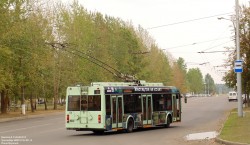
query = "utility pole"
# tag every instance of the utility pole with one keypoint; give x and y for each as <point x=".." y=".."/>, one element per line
<point x="208" y="87"/>
<point x="240" y="105"/>
<point x="205" y="88"/>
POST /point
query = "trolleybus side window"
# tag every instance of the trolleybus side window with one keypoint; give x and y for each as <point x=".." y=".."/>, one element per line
<point x="162" y="102"/>
<point x="168" y="102"/>
<point x="158" y="101"/>
<point x="138" y="107"/>
<point x="73" y="103"/>
<point x="132" y="103"/>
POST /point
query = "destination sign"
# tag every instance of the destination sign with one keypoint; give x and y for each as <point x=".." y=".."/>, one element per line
<point x="135" y="89"/>
<point x="147" y="89"/>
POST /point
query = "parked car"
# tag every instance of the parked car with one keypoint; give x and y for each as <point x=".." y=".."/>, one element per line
<point x="232" y="96"/>
<point x="188" y="95"/>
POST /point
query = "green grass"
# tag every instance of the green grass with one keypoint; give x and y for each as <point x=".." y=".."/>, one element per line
<point x="237" y="129"/>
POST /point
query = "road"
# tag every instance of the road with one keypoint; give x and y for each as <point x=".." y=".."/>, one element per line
<point x="200" y="114"/>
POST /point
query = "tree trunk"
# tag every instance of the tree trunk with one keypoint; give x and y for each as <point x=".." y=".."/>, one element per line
<point x="55" y="85"/>
<point x="45" y="104"/>
<point x="56" y="91"/>
<point x="45" y="99"/>
<point x="55" y="96"/>
<point x="4" y="102"/>
<point x="248" y="101"/>
<point x="31" y="103"/>
<point x="3" y="109"/>
<point x="35" y="102"/>
<point x="23" y="100"/>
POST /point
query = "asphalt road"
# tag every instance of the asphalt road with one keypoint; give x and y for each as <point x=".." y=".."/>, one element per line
<point x="200" y="114"/>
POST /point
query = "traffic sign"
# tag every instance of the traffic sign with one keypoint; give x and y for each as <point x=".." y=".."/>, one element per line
<point x="238" y="66"/>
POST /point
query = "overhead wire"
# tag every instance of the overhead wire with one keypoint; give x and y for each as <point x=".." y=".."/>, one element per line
<point x="196" y="43"/>
<point x="77" y="54"/>
<point x="95" y="61"/>
<point x="204" y="56"/>
<point x="186" y="21"/>
<point x="215" y="46"/>
<point x="92" y="57"/>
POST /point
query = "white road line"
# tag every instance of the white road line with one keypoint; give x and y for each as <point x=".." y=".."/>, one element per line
<point x="52" y="130"/>
<point x="20" y="123"/>
<point x="24" y="128"/>
<point x="7" y="126"/>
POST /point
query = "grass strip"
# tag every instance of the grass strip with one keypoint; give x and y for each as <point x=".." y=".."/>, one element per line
<point x="237" y="129"/>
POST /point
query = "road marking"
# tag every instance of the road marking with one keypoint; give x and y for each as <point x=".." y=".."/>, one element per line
<point x="202" y="135"/>
<point x="18" y="123"/>
<point x="52" y="130"/>
<point x="24" y="128"/>
<point x="8" y="126"/>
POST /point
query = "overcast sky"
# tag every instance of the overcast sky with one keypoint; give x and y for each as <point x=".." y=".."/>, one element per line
<point x="182" y="27"/>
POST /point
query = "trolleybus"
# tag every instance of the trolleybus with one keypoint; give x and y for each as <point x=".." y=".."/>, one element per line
<point x="113" y="106"/>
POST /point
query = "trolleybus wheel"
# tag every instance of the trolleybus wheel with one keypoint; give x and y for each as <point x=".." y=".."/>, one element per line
<point x="168" y="123"/>
<point x="130" y="125"/>
<point x="98" y="132"/>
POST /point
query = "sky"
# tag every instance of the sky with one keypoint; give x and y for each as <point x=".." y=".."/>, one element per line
<point x="181" y="27"/>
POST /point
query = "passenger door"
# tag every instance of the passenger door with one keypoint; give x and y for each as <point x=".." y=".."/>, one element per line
<point x="176" y="107"/>
<point x="117" y="111"/>
<point x="147" y="109"/>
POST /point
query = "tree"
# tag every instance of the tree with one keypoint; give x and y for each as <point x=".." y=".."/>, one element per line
<point x="230" y="77"/>
<point x="195" y="81"/>
<point x="11" y="14"/>
<point x="209" y="84"/>
<point x="183" y="74"/>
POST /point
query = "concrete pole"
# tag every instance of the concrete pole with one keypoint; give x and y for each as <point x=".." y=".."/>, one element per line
<point x="205" y="89"/>
<point x="240" y="105"/>
<point x="208" y="87"/>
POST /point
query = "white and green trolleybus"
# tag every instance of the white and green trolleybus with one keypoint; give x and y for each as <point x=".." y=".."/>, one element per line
<point x="113" y="106"/>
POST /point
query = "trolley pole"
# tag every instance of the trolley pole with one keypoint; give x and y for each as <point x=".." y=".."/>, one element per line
<point x="240" y="105"/>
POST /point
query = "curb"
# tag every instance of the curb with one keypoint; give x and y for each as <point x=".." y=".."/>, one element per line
<point x="225" y="142"/>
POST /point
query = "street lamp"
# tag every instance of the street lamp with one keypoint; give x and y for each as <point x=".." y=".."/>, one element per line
<point x="222" y="18"/>
<point x="195" y="63"/>
<point x="238" y="58"/>
<point x="233" y="21"/>
<point x="213" y="51"/>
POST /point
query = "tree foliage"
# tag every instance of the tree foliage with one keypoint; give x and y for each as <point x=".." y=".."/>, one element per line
<point x="45" y="47"/>
<point x="209" y="84"/>
<point x="230" y="77"/>
<point x="180" y="72"/>
<point x="195" y="80"/>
